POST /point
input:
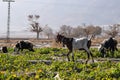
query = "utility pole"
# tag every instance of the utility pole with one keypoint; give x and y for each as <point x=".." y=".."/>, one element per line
<point x="8" y="19"/>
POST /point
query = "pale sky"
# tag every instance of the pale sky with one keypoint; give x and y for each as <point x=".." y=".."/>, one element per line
<point x="56" y="13"/>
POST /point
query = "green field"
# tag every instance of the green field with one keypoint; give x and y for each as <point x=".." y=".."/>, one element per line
<point x="45" y="63"/>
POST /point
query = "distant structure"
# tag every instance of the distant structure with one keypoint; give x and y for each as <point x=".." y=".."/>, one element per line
<point x="8" y="20"/>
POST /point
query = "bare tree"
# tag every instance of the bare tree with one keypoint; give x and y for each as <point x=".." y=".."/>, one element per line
<point x="66" y="30"/>
<point x="113" y="30"/>
<point x="98" y="30"/>
<point x="91" y="29"/>
<point x="35" y="27"/>
<point x="78" y="31"/>
<point x="48" y="31"/>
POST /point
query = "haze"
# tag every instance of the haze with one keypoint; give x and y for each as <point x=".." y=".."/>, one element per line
<point x="58" y="12"/>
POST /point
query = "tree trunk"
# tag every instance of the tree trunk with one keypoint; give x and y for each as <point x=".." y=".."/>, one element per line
<point x="37" y="35"/>
<point x="48" y="36"/>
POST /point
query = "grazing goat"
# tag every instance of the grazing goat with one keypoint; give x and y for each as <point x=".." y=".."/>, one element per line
<point x="23" y="45"/>
<point x="76" y="44"/>
<point x="108" y="45"/>
<point x="4" y="49"/>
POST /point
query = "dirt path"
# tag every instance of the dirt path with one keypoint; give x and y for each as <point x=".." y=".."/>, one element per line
<point x="48" y="62"/>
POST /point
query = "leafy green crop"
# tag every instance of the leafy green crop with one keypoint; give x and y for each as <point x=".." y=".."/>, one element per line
<point x="46" y="63"/>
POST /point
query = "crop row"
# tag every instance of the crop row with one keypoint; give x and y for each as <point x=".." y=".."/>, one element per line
<point x="19" y="66"/>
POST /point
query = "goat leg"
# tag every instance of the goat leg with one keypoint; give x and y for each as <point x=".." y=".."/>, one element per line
<point x="72" y="56"/>
<point x="68" y="55"/>
<point x="88" y="57"/>
<point x="92" y="57"/>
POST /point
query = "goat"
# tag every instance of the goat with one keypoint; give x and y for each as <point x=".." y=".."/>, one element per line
<point x="23" y="45"/>
<point x="76" y="44"/>
<point x="4" y="49"/>
<point x="108" y="45"/>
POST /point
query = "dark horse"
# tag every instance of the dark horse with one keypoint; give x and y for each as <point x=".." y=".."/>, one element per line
<point x="108" y="45"/>
<point x="75" y="44"/>
<point x="23" y="45"/>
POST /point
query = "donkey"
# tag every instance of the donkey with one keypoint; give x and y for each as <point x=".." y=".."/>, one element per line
<point x="75" y="44"/>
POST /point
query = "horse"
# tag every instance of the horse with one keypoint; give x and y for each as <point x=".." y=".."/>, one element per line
<point x="108" y="45"/>
<point x="23" y="45"/>
<point x="75" y="44"/>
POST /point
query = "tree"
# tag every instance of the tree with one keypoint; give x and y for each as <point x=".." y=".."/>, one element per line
<point x="98" y="30"/>
<point x="91" y="29"/>
<point x="48" y="31"/>
<point x="66" y="30"/>
<point x="77" y="32"/>
<point x="113" y="30"/>
<point x="35" y="27"/>
<point x="80" y="31"/>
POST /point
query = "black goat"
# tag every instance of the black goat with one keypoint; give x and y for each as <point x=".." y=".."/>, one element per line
<point x="108" y="45"/>
<point x="23" y="45"/>
<point x="4" y="49"/>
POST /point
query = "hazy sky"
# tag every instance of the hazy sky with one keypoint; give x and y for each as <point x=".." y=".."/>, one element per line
<point x="58" y="12"/>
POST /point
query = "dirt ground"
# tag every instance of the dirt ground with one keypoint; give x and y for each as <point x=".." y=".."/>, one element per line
<point x="52" y="42"/>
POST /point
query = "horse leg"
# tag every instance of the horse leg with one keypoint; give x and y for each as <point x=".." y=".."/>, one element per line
<point x="68" y="55"/>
